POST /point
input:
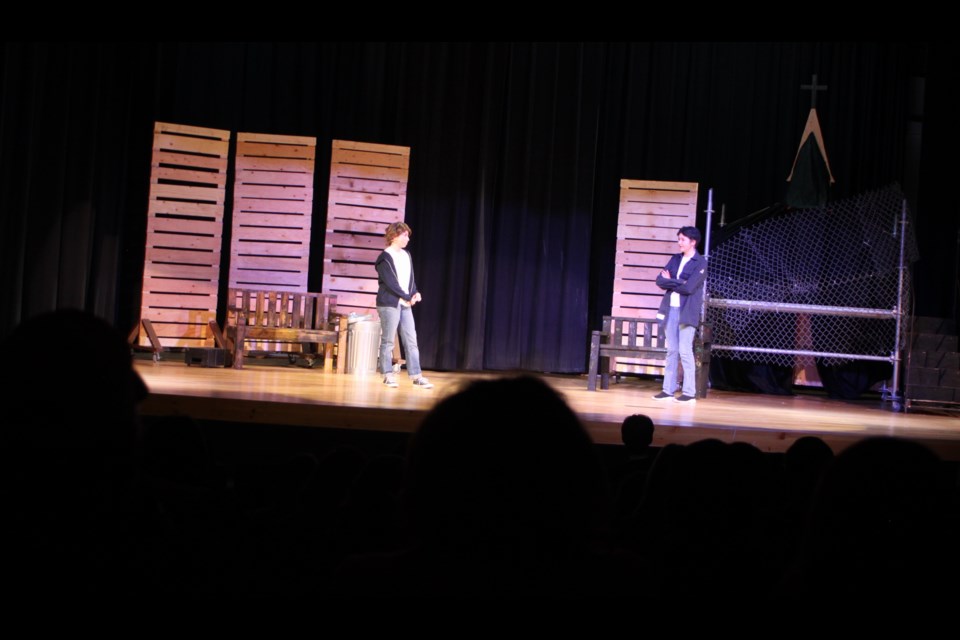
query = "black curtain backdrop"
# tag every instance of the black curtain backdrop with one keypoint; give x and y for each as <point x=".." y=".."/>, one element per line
<point x="517" y="153"/>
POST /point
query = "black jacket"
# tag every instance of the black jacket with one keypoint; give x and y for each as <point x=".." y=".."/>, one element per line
<point x="389" y="291"/>
<point x="688" y="284"/>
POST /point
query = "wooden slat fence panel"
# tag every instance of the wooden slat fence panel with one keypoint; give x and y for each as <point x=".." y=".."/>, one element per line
<point x="181" y="273"/>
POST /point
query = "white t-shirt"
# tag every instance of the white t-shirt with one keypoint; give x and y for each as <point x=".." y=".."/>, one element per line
<point x="401" y="260"/>
<point x="675" y="297"/>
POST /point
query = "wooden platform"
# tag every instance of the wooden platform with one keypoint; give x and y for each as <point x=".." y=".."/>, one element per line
<point x="289" y="395"/>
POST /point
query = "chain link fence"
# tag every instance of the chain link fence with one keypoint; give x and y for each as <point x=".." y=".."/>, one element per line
<point x="814" y="283"/>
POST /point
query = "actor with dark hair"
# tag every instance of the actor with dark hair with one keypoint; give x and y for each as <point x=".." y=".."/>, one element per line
<point x="396" y="295"/>
<point x="682" y="282"/>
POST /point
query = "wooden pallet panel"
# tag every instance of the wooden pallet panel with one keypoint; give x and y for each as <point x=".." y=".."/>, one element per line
<point x="363" y="214"/>
<point x="183" y="301"/>
<point x="357" y="226"/>
<point x="272" y="212"/>
<point x="270" y="263"/>
<point x="349" y="269"/>
<point x="175" y="208"/>
<point x="184" y="316"/>
<point x="169" y="257"/>
<point x="175" y="285"/>
<point x="352" y="255"/>
<point x="248" y="248"/>
<point x="182" y="242"/>
<point x="257" y="278"/>
<point x="650" y="214"/>
<point x="181" y="273"/>
<point x="368" y="191"/>
<point x="256" y="205"/>
<point x="361" y="303"/>
<point x="350" y="183"/>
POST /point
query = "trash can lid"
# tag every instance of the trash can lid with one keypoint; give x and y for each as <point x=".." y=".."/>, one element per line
<point x="358" y="317"/>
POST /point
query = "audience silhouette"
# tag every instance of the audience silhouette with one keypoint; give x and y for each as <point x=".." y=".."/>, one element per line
<point x="882" y="528"/>
<point x="629" y="471"/>
<point x="501" y="493"/>
<point x="77" y="520"/>
<point x="505" y="496"/>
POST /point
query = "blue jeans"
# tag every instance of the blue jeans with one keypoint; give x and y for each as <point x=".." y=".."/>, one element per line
<point x="390" y="318"/>
<point x="680" y="347"/>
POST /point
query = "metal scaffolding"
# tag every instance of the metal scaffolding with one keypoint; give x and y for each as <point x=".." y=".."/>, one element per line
<point x="828" y="284"/>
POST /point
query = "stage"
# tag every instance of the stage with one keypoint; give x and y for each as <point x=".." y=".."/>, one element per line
<point x="283" y="394"/>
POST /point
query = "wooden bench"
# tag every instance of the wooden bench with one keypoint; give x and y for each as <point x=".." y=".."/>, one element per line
<point x="285" y="322"/>
<point x="622" y="338"/>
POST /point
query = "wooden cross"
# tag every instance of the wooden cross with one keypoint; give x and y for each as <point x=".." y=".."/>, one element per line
<point x="814" y="87"/>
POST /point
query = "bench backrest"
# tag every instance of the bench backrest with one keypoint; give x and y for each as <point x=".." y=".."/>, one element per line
<point x="632" y="333"/>
<point x="281" y="310"/>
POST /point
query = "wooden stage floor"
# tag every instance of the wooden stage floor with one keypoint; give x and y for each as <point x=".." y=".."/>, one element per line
<point x="289" y="395"/>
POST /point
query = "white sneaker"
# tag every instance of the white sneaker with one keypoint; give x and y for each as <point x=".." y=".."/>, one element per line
<point x="390" y="381"/>
<point x="423" y="383"/>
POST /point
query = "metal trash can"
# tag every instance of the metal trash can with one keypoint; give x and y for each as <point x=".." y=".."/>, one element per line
<point x="363" y="346"/>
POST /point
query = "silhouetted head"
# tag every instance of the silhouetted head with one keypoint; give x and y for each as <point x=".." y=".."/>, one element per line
<point x="880" y="489"/>
<point x="69" y="446"/>
<point x="882" y="523"/>
<point x="75" y="387"/>
<point x="637" y="432"/>
<point x="503" y="463"/>
<point x="808" y="455"/>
